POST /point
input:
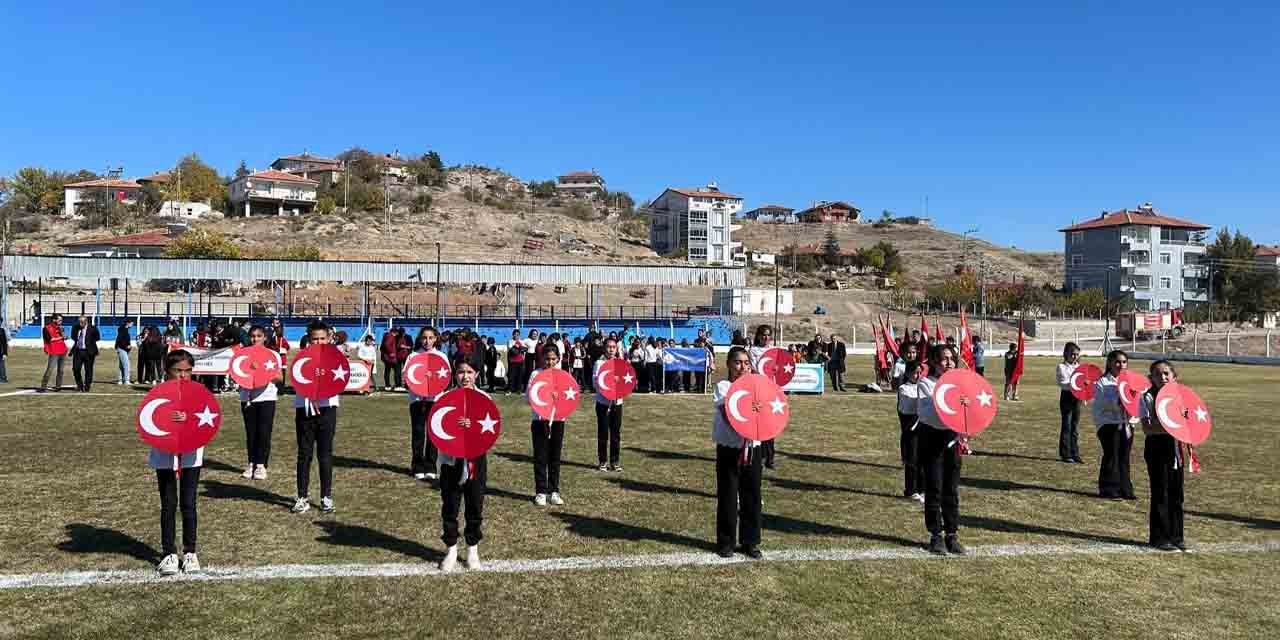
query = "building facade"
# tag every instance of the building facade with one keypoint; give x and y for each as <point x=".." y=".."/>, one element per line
<point x="700" y="220"/>
<point x="1268" y="257"/>
<point x="823" y="212"/>
<point x="1155" y="259"/>
<point x="78" y="196"/>
<point x="272" y="192"/>
<point x="148" y="244"/>
<point x="581" y="184"/>
<point x="310" y="167"/>
<point x="772" y="214"/>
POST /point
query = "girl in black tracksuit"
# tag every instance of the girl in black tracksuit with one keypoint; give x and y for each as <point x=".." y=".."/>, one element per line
<point x="548" y="440"/>
<point x="177" y="491"/>
<point x="462" y="479"/>
<point x="939" y="452"/>
<point x="422" y="457"/>
<point x="1165" y="462"/>
<point x="608" y="417"/>
<point x="258" y="408"/>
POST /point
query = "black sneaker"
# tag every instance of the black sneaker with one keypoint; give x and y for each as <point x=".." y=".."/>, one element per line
<point x="935" y="545"/>
<point x="752" y="551"/>
<point x="954" y="547"/>
<point x="1077" y="460"/>
<point x="1167" y="546"/>
<point x="725" y="552"/>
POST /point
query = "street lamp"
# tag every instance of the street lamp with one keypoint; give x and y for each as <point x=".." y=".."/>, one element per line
<point x="1106" y="302"/>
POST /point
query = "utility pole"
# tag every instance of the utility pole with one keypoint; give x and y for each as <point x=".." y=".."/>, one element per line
<point x="982" y="290"/>
<point x="346" y="191"/>
<point x="777" y="329"/>
<point x="438" y="314"/>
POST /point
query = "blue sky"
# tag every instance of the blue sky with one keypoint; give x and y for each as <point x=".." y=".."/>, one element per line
<point x="1012" y="118"/>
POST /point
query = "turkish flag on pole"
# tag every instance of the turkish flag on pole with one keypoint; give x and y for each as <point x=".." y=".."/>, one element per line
<point x="924" y="327"/>
<point x="937" y="330"/>
<point x="890" y="341"/>
<point x="1022" y="354"/>
<point x="966" y="343"/>
<point x="880" y="354"/>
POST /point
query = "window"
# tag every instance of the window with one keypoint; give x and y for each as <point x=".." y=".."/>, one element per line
<point x="717" y="235"/>
<point x="1165" y="305"/>
<point x="1077" y="285"/>
<point x="1077" y="259"/>
<point x="1077" y="237"/>
<point x="1166" y="257"/>
<point x="1166" y="283"/>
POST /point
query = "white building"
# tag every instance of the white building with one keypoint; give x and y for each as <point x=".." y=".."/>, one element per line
<point x="751" y="302"/>
<point x="90" y="193"/>
<point x="699" y="219"/>
<point x="271" y="191"/>
<point x="184" y="210"/>
<point x="148" y="244"/>
<point x="581" y="184"/>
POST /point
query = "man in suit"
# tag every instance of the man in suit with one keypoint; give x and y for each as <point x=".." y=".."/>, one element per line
<point x="4" y="353"/>
<point x="84" y="350"/>
<point x="836" y="364"/>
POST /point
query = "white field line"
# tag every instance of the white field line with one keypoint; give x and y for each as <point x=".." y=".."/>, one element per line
<point x="390" y="570"/>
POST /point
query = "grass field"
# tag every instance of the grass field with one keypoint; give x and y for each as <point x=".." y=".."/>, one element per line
<point x="78" y="496"/>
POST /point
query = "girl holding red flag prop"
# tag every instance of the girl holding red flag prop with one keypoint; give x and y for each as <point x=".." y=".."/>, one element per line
<point x="177" y="366"/>
<point x="315" y="430"/>
<point x="1114" y="431"/>
<point x="939" y="454"/>
<point x="462" y="479"/>
<point x="737" y="471"/>
<point x="608" y="416"/>
<point x="1165" y="462"/>
<point x="762" y="343"/>
<point x="423" y="456"/>
<point x="1069" y="406"/>
<point x="548" y="440"/>
<point x="258" y="408"/>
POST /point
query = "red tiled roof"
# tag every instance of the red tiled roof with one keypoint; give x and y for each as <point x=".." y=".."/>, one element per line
<point x="105" y="182"/>
<point x="1146" y="216"/>
<point x="697" y="193"/>
<point x="773" y="207"/>
<point x="581" y="174"/>
<point x="162" y="176"/>
<point x="280" y="176"/>
<point x="153" y="238"/>
<point x="1264" y="251"/>
<point x="306" y="157"/>
<point x="839" y="204"/>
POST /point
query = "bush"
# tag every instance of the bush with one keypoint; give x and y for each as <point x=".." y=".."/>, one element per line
<point x="422" y="203"/>
<point x="806" y="263"/>
<point x="580" y="211"/>
<point x="28" y="224"/>
<point x="472" y="194"/>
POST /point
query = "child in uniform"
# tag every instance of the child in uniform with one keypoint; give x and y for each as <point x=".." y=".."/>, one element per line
<point x="762" y="343"/>
<point x="908" y="440"/>
<point x="939" y="451"/>
<point x="608" y="417"/>
<point x="1115" y="432"/>
<point x="1069" y="406"/>
<point x="258" y="408"/>
<point x="462" y="479"/>
<point x="738" y="462"/>
<point x="177" y="366"/>
<point x="548" y="440"/>
<point x="1165" y="462"/>
<point x="423" y="455"/>
<point x="315" y="430"/>
<point x="1010" y="364"/>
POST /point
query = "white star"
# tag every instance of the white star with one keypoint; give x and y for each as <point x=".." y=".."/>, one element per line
<point x="789" y="368"/>
<point x="270" y="365"/>
<point x="984" y="398"/>
<point x="206" y="417"/>
<point x="486" y="425"/>
<point x="778" y="405"/>
<point x="1201" y="414"/>
<point x="570" y="394"/>
<point x="627" y="378"/>
<point x="340" y="373"/>
<point x="442" y="372"/>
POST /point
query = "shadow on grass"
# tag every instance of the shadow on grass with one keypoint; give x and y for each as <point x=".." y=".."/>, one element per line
<point x="520" y="457"/>
<point x="809" y="457"/>
<point x="351" y="535"/>
<point x="650" y="487"/>
<point x="87" y="538"/>
<point x="360" y="463"/>
<point x="992" y="484"/>
<point x="222" y="490"/>
<point x="668" y="455"/>
<point x="785" y="524"/>
<point x="1009" y="526"/>
<point x="801" y="485"/>
<point x="605" y="529"/>
<point x="1018" y="456"/>
<point x="217" y="465"/>
<point x="1256" y="523"/>
<point x="510" y="495"/>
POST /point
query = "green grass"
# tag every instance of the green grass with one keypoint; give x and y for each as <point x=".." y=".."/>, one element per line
<point x="78" y="496"/>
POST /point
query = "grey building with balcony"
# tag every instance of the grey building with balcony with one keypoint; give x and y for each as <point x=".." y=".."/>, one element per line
<point x="1154" y="260"/>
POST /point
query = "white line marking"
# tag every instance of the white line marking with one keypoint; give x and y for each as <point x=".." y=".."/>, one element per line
<point x="17" y="393"/>
<point x="390" y="570"/>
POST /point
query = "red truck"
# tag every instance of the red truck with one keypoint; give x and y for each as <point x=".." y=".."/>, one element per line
<point x="1148" y="325"/>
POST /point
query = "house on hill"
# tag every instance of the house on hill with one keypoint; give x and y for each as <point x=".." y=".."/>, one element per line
<point x="148" y="244"/>
<point x="581" y="184"/>
<point x="701" y="220"/>
<point x="824" y="211"/>
<point x="271" y="191"/>
<point x="1154" y="258"/>
<point x="90" y="193"/>
<point x="311" y="167"/>
<point x="772" y="213"/>
<point x="1268" y="256"/>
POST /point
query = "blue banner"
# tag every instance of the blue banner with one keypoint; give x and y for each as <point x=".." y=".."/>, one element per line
<point x="685" y="359"/>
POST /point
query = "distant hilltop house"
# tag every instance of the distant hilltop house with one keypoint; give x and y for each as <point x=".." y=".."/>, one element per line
<point x="581" y="184"/>
<point x="158" y="179"/>
<point x="1268" y="257"/>
<point x="772" y="214"/>
<point x="1143" y="253"/>
<point x="310" y="167"/>
<point x="272" y="192"/>
<point x="699" y="219"/>
<point x="148" y="244"/>
<point x="825" y="212"/>
<point x="78" y="195"/>
<point x="395" y="168"/>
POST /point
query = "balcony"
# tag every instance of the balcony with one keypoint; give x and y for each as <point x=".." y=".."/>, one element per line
<point x="1135" y="242"/>
<point x="1195" y="271"/>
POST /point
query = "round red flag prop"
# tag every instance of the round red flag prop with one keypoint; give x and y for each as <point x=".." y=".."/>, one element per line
<point x="756" y="407"/>
<point x="254" y="367"/>
<point x="1082" y="380"/>
<point x="1131" y="386"/>
<point x="554" y="394"/>
<point x="1183" y="414"/>
<point x="464" y="442"/>
<point x="158" y="428"/>
<point x="320" y="372"/>
<point x="427" y="373"/>
<point x="616" y="379"/>
<point x="964" y="401"/>
<point x="777" y="365"/>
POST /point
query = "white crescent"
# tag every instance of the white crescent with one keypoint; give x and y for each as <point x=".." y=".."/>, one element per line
<point x="732" y="405"/>
<point x="534" y="396"/>
<point x="600" y="380"/>
<point x="147" y="418"/>
<point x="435" y="423"/>
<point x="408" y="374"/>
<point x="1072" y="381"/>
<point x="761" y="362"/>
<point x="297" y="372"/>
<point x="1123" y="393"/>
<point x="235" y="366"/>
<point x="940" y="399"/>
<point x="1163" y="413"/>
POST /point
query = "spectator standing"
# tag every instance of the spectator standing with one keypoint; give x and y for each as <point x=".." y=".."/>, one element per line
<point x="4" y="354"/>
<point x="55" y="346"/>
<point x="837" y="364"/>
<point x="124" y="344"/>
<point x="84" y="351"/>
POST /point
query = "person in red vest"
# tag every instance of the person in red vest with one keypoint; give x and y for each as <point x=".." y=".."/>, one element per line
<point x="55" y="346"/>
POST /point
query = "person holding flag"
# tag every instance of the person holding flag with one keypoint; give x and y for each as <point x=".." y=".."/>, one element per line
<point x="422" y="454"/>
<point x="966" y="342"/>
<point x="177" y="491"/>
<point x="1165" y="464"/>
<point x="608" y="416"/>
<point x="1069" y="406"/>
<point x="1013" y="359"/>
<point x="258" y="409"/>
<point x="315" y="426"/>
<point x="762" y="343"/>
<point x="462" y="479"/>
<point x="738" y="472"/>
<point x="939" y="454"/>
<point x="1114" y="431"/>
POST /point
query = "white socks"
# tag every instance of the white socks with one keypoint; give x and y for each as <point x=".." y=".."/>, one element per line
<point x="473" y="557"/>
<point x="450" y="562"/>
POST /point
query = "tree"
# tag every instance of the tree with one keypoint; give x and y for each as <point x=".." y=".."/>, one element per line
<point x="242" y="170"/>
<point x="892" y="265"/>
<point x="806" y="263"/>
<point x="202" y="243"/>
<point x="426" y="171"/>
<point x="326" y="205"/>
<point x="622" y="201"/>
<point x="37" y="191"/>
<point x="544" y="189"/>
<point x="1233" y="263"/>
<point x="199" y="183"/>
<point x="886" y="216"/>
<point x="831" y="247"/>
<point x="422" y="203"/>
<point x="434" y="161"/>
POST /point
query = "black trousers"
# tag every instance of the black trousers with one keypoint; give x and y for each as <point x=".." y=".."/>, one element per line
<point x="515" y="375"/>
<point x="259" y="419"/>
<point x="837" y="380"/>
<point x="767" y="450"/>
<point x="451" y="493"/>
<point x="548" y="441"/>
<point x="686" y="381"/>
<point x="909" y="446"/>
<point x="642" y="376"/>
<point x="656" y="379"/>
<point x="700" y="381"/>
<point x="608" y="432"/>
<point x="423" y="456"/>
<point x="1113" y="472"/>
<point x="1069" y="436"/>
<point x="738" y="513"/>
<point x="82" y="369"/>
<point x="1161" y="454"/>
<point x="170" y="500"/>
<point x="391" y="373"/>
<point x="490" y="375"/>
<point x="315" y="435"/>
<point x="941" y="478"/>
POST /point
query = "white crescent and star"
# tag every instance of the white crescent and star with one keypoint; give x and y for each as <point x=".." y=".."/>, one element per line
<point x="600" y="379"/>
<point x="732" y="405"/>
<point x="984" y="398"/>
<point x="570" y="394"/>
<point x="778" y="406"/>
<point x="487" y="425"/>
<point x="235" y="366"/>
<point x="763" y="361"/>
<point x="1075" y="376"/>
<point x="940" y="399"/>
<point x="442" y="372"/>
<point x="789" y="368"/>
<point x="1162" y="411"/>
<point x="340" y="373"/>
<point x="436" y="428"/>
<point x="408" y="374"/>
<point x="206" y="417"/>
<point x="536" y="397"/>
<point x="146" y="418"/>
<point x="297" y="371"/>
<point x="628" y="379"/>
<point x="1202" y="415"/>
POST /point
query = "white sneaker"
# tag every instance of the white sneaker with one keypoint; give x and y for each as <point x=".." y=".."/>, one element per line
<point x="473" y="558"/>
<point x="450" y="562"/>
<point x="918" y="497"/>
<point x="248" y="473"/>
<point x="602" y="467"/>
<point x="430" y="476"/>
<point x="260" y="472"/>
<point x="419" y="476"/>
<point x="556" y="499"/>
<point x="540" y="499"/>
<point x="326" y="505"/>
<point x="302" y="505"/>
<point x="190" y="563"/>
<point x="168" y="566"/>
